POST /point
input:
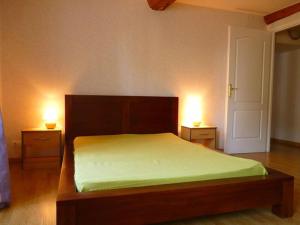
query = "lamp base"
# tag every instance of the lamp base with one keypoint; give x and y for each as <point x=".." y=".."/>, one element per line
<point x="196" y="124"/>
<point x="50" y="125"/>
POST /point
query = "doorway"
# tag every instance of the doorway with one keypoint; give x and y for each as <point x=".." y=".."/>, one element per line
<point x="285" y="125"/>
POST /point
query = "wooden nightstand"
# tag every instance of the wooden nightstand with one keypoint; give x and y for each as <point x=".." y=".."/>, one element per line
<point x="41" y="148"/>
<point x="205" y="135"/>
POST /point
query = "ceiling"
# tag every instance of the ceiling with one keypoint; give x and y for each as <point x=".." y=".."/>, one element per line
<point x="259" y="7"/>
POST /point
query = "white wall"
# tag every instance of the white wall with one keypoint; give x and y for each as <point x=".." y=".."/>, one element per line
<point x="286" y="96"/>
<point x="120" y="47"/>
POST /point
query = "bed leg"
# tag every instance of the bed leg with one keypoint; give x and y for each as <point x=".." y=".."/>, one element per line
<point x="65" y="214"/>
<point x="286" y="207"/>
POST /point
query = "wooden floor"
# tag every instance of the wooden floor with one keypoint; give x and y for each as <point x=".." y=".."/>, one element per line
<point x="34" y="194"/>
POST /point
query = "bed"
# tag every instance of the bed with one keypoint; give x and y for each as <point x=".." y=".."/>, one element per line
<point x="139" y="160"/>
<point x="117" y="115"/>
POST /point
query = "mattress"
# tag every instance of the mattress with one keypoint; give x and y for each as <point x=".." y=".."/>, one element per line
<point x="136" y="160"/>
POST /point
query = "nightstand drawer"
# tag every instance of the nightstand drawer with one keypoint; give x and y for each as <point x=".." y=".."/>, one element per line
<point x="39" y="144"/>
<point x="203" y="133"/>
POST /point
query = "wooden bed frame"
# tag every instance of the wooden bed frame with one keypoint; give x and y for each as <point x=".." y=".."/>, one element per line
<point x="92" y="115"/>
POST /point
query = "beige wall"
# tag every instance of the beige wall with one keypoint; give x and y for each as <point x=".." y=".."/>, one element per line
<point x="286" y="95"/>
<point x="120" y="47"/>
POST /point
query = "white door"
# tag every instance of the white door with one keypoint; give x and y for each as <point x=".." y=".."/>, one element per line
<point x="248" y="90"/>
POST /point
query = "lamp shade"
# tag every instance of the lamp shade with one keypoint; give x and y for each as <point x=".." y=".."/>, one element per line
<point x="193" y="111"/>
<point x="50" y="116"/>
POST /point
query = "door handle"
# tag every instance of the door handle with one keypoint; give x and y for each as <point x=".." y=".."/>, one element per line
<point x="231" y="89"/>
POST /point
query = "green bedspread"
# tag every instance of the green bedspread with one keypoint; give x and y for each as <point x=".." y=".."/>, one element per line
<point x="135" y="160"/>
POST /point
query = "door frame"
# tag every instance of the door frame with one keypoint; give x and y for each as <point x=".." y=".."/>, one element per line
<point x="280" y="25"/>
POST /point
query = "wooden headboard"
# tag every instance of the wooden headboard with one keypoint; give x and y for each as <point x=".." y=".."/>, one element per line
<point x="101" y="115"/>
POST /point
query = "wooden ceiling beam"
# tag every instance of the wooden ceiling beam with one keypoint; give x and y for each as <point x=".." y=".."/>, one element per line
<point x="160" y="4"/>
<point x="280" y="14"/>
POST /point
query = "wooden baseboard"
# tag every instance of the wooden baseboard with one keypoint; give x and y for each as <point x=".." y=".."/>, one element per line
<point x="285" y="142"/>
<point x="219" y="150"/>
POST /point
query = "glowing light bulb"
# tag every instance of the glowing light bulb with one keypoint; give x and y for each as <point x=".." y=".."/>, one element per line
<point x="50" y="116"/>
<point x="193" y="111"/>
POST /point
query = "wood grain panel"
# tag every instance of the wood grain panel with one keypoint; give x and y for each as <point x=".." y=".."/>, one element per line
<point x="147" y="205"/>
<point x="41" y="148"/>
<point x="34" y="195"/>
<point x="280" y="14"/>
<point x="101" y="115"/>
<point x="39" y="144"/>
<point x="160" y="4"/>
<point x="203" y="133"/>
<point x="152" y="115"/>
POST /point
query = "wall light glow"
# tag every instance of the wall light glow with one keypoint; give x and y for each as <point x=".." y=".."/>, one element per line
<point x="50" y="115"/>
<point x="192" y="111"/>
